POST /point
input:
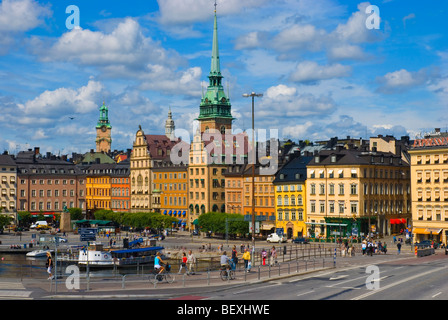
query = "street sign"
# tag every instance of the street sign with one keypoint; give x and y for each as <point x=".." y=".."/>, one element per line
<point x="257" y="226"/>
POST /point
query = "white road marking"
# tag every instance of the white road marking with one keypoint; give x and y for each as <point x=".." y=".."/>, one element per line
<point x="14" y="294"/>
<point x="303" y="293"/>
<point x="11" y="285"/>
<point x="396" y="283"/>
<point x="339" y="277"/>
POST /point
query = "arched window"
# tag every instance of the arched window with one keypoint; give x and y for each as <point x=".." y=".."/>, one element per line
<point x="139" y="182"/>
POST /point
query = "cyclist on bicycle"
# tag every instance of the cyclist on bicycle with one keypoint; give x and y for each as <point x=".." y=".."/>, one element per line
<point x="158" y="264"/>
<point x="225" y="261"/>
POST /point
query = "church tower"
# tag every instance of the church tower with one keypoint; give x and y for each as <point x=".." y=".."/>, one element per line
<point x="103" y="131"/>
<point x="215" y="107"/>
<point x="170" y="127"/>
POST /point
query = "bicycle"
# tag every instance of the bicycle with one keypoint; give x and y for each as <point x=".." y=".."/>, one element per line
<point x="159" y="277"/>
<point x="227" y="274"/>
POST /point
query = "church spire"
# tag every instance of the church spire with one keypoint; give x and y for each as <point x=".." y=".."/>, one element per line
<point x="215" y="69"/>
<point x="215" y="108"/>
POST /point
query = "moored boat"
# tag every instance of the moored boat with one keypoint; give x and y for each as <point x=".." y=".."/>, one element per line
<point x="38" y="253"/>
<point x="95" y="256"/>
<point x="134" y="256"/>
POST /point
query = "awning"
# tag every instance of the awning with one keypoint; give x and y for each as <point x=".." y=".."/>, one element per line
<point x="397" y="221"/>
<point x="267" y="226"/>
<point x="426" y="230"/>
<point x="184" y="213"/>
<point x="175" y="213"/>
<point x="164" y="212"/>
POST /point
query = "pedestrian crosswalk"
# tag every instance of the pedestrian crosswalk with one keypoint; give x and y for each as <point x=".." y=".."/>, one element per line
<point x="13" y="290"/>
<point x="9" y="285"/>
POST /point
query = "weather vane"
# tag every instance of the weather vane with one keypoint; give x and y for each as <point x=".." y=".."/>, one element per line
<point x="215" y="6"/>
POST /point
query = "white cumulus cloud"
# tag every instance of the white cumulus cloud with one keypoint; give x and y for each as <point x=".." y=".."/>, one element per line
<point x="310" y="71"/>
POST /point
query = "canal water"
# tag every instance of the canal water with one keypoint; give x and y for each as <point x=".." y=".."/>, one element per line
<point x="15" y="266"/>
<point x="18" y="265"/>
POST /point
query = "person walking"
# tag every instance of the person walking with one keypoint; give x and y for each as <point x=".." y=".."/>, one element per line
<point x="49" y="265"/>
<point x="234" y="258"/>
<point x="183" y="263"/>
<point x="273" y="257"/>
<point x="246" y="259"/>
<point x="399" y="247"/>
<point x="264" y="254"/>
<point x="191" y="260"/>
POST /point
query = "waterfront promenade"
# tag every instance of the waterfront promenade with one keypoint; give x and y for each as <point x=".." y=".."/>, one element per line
<point x="297" y="260"/>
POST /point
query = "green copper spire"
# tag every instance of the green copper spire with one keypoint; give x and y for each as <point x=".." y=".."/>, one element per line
<point x="215" y="69"/>
<point x="215" y="104"/>
<point x="104" y="117"/>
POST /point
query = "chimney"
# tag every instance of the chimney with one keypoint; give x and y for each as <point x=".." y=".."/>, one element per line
<point x="36" y="150"/>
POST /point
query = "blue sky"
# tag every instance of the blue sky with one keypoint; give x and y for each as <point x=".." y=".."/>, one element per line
<point x="322" y="72"/>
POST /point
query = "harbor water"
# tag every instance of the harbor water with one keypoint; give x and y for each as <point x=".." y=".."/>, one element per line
<point x="14" y="266"/>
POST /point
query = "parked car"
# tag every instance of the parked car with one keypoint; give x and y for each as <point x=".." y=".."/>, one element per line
<point x="301" y="240"/>
<point x="274" y="237"/>
<point x="426" y="244"/>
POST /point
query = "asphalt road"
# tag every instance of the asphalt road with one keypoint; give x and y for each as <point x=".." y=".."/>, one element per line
<point x="409" y="279"/>
<point x="381" y="277"/>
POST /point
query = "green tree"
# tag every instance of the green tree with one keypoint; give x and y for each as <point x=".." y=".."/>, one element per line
<point x="25" y="218"/>
<point x="4" y="221"/>
<point x="75" y="213"/>
<point x="216" y="223"/>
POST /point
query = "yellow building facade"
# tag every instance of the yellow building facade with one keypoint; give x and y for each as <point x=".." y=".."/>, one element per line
<point x="98" y="187"/>
<point x="290" y="198"/>
<point x="352" y="192"/>
<point x="429" y="184"/>
<point x="170" y="190"/>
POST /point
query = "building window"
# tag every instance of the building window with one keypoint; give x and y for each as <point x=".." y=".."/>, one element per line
<point x="321" y="188"/>
<point x="354" y="189"/>
<point x="341" y="189"/>
<point x="354" y="208"/>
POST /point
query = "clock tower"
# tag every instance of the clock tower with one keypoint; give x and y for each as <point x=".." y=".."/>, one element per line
<point x="103" y="131"/>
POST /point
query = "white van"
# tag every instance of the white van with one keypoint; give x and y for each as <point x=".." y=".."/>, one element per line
<point x="39" y="224"/>
<point x="274" y="237"/>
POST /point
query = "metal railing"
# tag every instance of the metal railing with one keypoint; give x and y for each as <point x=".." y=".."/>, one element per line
<point x="200" y="279"/>
<point x="291" y="259"/>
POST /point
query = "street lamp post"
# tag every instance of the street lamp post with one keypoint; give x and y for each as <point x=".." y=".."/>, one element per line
<point x="253" y="95"/>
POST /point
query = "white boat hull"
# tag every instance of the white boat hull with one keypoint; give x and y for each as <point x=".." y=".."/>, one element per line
<point x="95" y="258"/>
<point x="38" y="253"/>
